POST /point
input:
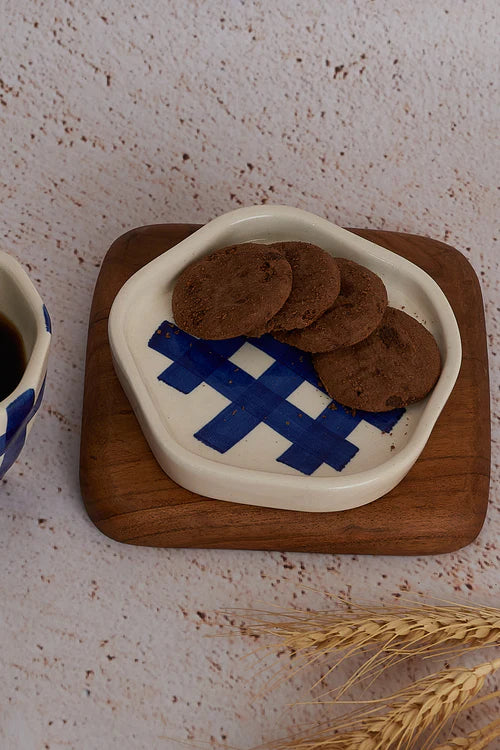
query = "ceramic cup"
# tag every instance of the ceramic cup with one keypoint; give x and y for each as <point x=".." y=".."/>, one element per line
<point x="21" y="304"/>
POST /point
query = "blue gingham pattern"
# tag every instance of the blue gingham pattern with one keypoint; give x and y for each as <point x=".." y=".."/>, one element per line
<point x="313" y="441"/>
<point x="48" y="322"/>
<point x="19" y="413"/>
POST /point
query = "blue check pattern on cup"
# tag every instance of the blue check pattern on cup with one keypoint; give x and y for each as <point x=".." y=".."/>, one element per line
<point x="20" y="412"/>
<point x="313" y="441"/>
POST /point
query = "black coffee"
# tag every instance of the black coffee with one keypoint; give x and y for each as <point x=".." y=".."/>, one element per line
<point x="12" y="357"/>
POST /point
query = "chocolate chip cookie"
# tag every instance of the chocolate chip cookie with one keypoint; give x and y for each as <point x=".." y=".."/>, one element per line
<point x="356" y="312"/>
<point x="399" y="363"/>
<point x="315" y="285"/>
<point x="231" y="291"/>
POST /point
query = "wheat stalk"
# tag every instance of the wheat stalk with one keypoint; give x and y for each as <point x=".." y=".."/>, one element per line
<point x="395" y="633"/>
<point x="424" y="705"/>
<point x="477" y="740"/>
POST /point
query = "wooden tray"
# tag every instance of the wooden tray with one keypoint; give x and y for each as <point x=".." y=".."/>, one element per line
<point x="440" y="506"/>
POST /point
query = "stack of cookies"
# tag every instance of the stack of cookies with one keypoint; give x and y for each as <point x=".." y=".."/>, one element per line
<point x="368" y="355"/>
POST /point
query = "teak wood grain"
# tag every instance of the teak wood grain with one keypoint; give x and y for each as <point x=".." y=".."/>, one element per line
<point x="440" y="506"/>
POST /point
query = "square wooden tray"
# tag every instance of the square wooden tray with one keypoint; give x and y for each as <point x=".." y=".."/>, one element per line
<point x="440" y="506"/>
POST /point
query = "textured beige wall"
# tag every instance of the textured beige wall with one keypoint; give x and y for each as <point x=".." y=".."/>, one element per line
<point x="377" y="114"/>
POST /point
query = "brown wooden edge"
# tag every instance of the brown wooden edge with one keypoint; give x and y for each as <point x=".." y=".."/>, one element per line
<point x="118" y="526"/>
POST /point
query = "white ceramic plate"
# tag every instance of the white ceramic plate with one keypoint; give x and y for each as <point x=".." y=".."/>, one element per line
<point x="243" y="420"/>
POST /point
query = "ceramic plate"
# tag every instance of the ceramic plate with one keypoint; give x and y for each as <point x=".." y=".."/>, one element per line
<point x="245" y="420"/>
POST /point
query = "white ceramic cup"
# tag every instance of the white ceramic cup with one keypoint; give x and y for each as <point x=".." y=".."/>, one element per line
<point x="21" y="304"/>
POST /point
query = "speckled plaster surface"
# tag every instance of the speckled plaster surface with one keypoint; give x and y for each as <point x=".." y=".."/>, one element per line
<point x="374" y="114"/>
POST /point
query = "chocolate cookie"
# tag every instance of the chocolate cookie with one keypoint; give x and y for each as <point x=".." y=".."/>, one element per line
<point x="315" y="285"/>
<point x="231" y="291"/>
<point x="356" y="312"/>
<point x="397" y="364"/>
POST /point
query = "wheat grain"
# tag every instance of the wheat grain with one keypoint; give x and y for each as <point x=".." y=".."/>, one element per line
<point x="395" y="633"/>
<point x="477" y="740"/>
<point x="399" y="720"/>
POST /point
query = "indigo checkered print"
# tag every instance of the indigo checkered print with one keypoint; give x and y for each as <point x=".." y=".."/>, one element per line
<point x="19" y="414"/>
<point x="313" y="442"/>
